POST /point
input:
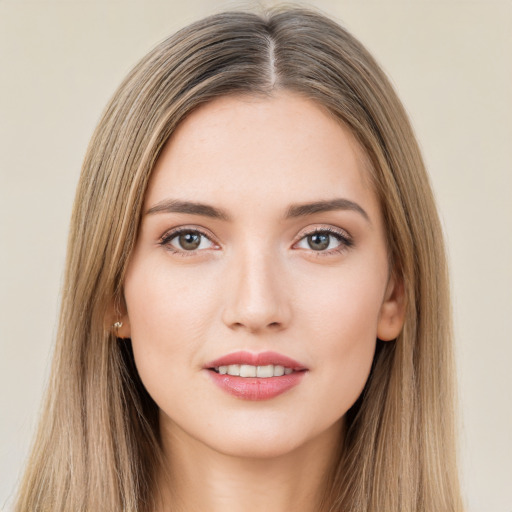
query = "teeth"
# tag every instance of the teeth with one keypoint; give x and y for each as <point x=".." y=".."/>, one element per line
<point x="234" y="369"/>
<point x="265" y="371"/>
<point x="247" y="370"/>
<point x="278" y="370"/>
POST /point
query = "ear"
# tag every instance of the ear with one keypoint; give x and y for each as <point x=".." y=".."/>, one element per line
<point x="119" y="320"/>
<point x="392" y="311"/>
<point x="124" y="331"/>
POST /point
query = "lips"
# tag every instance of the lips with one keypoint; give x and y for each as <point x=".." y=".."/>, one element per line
<point x="261" y="359"/>
<point x="224" y="372"/>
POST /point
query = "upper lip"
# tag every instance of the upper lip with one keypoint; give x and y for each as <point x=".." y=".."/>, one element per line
<point x="259" y="359"/>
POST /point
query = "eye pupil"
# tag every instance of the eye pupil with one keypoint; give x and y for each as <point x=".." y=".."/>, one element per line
<point x="318" y="241"/>
<point x="189" y="241"/>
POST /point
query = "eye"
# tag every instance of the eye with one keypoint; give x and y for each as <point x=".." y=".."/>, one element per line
<point x="186" y="240"/>
<point x="325" y="240"/>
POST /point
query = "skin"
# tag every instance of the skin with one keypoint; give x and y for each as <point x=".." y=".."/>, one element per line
<point x="256" y="284"/>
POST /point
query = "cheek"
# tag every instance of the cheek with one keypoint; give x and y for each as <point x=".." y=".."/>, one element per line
<point x="341" y="321"/>
<point x="344" y="305"/>
<point x="169" y="313"/>
<point x="162" y="301"/>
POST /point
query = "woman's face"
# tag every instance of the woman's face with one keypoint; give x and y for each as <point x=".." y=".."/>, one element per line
<point x="261" y="245"/>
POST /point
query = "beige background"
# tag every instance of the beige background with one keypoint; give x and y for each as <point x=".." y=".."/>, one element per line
<point x="451" y="62"/>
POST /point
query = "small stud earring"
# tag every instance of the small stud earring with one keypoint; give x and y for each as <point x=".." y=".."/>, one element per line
<point x="117" y="326"/>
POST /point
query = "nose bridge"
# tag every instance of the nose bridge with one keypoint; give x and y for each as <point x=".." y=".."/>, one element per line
<point x="256" y="297"/>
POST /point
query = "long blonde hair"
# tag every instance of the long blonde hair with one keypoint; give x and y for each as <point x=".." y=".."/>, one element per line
<point x="97" y="447"/>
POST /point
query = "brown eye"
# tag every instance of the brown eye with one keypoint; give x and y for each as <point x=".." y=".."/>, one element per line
<point x="186" y="241"/>
<point x="189" y="241"/>
<point x="325" y="241"/>
<point x="318" y="241"/>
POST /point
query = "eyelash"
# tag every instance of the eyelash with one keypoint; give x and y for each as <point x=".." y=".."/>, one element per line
<point x="344" y="239"/>
<point x="166" y="239"/>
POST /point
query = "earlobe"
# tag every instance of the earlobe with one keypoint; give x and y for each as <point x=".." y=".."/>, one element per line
<point x="119" y="321"/>
<point x="122" y="327"/>
<point x="392" y="312"/>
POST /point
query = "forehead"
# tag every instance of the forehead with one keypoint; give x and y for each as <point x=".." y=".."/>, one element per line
<point x="246" y="147"/>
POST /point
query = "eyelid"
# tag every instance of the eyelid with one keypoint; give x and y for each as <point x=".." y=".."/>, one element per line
<point x="170" y="234"/>
<point x="323" y="228"/>
<point x="345" y="239"/>
<point x="343" y="236"/>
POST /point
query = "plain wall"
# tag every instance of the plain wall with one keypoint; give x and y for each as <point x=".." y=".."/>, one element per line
<point x="451" y="62"/>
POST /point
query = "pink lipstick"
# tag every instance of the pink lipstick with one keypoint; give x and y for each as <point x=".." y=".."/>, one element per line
<point x="252" y="376"/>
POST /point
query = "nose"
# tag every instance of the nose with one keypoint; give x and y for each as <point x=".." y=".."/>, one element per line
<point x="257" y="298"/>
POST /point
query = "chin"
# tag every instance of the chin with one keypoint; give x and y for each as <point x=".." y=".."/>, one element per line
<point x="256" y="447"/>
<point x="269" y="440"/>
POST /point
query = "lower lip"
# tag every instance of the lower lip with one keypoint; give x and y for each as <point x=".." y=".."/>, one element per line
<point x="254" y="388"/>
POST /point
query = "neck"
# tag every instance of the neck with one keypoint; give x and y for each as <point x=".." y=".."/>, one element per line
<point x="197" y="477"/>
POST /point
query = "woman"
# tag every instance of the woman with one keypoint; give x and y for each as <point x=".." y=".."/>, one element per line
<point x="256" y="309"/>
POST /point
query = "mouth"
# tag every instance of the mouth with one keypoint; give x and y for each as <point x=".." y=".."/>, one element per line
<point x="248" y="370"/>
<point x="261" y="365"/>
<point x="255" y="376"/>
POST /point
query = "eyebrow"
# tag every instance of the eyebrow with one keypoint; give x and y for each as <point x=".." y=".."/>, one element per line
<point x="293" y="211"/>
<point x="301" y="210"/>
<point x="176" y="206"/>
